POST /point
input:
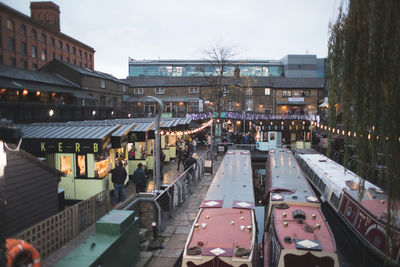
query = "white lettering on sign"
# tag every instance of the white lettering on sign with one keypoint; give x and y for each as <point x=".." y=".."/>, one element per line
<point x="295" y="99"/>
<point x="375" y="226"/>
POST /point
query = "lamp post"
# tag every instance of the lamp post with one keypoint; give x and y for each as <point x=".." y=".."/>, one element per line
<point x="156" y="151"/>
<point x="211" y="127"/>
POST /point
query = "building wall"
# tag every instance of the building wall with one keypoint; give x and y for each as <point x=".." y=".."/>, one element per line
<point x="21" y="48"/>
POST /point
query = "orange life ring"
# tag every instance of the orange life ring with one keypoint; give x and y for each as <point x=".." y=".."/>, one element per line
<point x="10" y="243"/>
<point x="15" y="247"/>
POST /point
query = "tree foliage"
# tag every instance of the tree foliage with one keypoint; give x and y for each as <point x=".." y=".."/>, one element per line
<point x="363" y="79"/>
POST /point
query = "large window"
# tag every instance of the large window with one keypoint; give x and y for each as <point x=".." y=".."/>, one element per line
<point x="66" y="165"/>
<point x="305" y="93"/>
<point x="231" y="105"/>
<point x="249" y="91"/>
<point x="193" y="107"/>
<point x="34" y="51"/>
<point x="286" y="93"/>
<point x="267" y="91"/>
<point x="159" y="91"/>
<point x="201" y="70"/>
<point x="81" y="165"/>
<point x="33" y="34"/>
<point x="60" y="44"/>
<point x="52" y="41"/>
<point x="150" y="109"/>
<point x="102" y="83"/>
<point x="43" y="38"/>
<point x="224" y="90"/>
<point x="11" y="44"/>
<point x="249" y="104"/>
<point x="43" y="55"/>
<point x="10" y="24"/>
<point x="23" y="48"/>
<point x="138" y="91"/>
<point x="22" y="29"/>
<point x="193" y="90"/>
<point x="102" y="100"/>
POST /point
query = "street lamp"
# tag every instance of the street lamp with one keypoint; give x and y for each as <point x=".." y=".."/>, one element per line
<point x="156" y="151"/>
<point x="207" y="102"/>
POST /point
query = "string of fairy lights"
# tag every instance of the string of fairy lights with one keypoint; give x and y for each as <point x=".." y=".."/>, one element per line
<point x="179" y="133"/>
<point x="312" y="123"/>
<point x="348" y="133"/>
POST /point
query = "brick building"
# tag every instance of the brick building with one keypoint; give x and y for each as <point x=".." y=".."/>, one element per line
<point x="30" y="42"/>
<point x="292" y="85"/>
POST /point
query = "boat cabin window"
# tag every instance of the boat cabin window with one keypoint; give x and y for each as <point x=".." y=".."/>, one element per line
<point x="352" y="185"/>
<point x="80" y="165"/>
<point x="66" y="165"/>
<point x="335" y="200"/>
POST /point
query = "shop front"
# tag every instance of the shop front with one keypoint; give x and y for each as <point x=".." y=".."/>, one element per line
<point x="84" y="154"/>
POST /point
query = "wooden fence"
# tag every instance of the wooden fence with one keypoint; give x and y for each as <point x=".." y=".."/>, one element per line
<point x="54" y="232"/>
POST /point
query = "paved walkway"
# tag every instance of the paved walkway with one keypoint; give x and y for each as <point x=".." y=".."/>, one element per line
<point x="176" y="233"/>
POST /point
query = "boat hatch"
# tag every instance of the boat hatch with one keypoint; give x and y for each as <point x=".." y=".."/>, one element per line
<point x="308" y="244"/>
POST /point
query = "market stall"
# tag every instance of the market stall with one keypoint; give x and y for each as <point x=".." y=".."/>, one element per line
<point x="80" y="152"/>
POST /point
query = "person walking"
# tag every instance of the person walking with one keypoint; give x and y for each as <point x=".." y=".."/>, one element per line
<point x="180" y="156"/>
<point x="139" y="178"/>
<point x="118" y="176"/>
<point x="194" y="144"/>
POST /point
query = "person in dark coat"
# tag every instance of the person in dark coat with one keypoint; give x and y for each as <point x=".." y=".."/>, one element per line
<point x="189" y="162"/>
<point x="181" y="157"/>
<point x="118" y="176"/>
<point x="140" y="178"/>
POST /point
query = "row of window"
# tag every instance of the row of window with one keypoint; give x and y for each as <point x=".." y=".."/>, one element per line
<point x="196" y="90"/>
<point x="203" y="70"/>
<point x="43" y="38"/>
<point x="297" y="93"/>
<point x="34" y="52"/>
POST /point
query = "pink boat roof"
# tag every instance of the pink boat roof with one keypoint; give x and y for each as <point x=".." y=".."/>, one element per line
<point x="222" y="230"/>
<point x="320" y="239"/>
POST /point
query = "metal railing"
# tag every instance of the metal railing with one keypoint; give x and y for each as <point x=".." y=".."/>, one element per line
<point x="175" y="193"/>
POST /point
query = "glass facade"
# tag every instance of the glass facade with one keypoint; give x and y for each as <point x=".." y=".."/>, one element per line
<point x="138" y="69"/>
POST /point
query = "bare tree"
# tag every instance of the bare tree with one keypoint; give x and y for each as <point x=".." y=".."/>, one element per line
<point x="219" y="58"/>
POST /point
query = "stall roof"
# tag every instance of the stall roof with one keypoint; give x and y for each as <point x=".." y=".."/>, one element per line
<point x="67" y="131"/>
<point x="143" y="127"/>
<point x="124" y="129"/>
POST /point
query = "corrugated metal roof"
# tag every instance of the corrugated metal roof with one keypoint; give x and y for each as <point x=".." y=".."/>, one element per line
<point x="143" y="127"/>
<point x="124" y="129"/>
<point x="67" y="131"/>
<point x="184" y="121"/>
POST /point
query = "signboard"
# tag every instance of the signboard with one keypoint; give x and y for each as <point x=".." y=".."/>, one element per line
<point x="166" y="115"/>
<point x="44" y="146"/>
<point x="218" y="129"/>
<point x="296" y="99"/>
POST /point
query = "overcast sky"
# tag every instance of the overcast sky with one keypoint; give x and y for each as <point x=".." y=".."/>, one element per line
<point x="182" y="29"/>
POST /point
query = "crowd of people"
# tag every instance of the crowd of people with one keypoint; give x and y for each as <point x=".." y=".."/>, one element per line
<point x="185" y="155"/>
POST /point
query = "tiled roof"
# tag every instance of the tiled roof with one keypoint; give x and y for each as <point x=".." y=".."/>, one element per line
<point x="43" y="77"/>
<point x="274" y="82"/>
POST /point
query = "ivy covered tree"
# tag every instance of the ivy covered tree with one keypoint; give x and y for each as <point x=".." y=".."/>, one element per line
<point x="363" y="70"/>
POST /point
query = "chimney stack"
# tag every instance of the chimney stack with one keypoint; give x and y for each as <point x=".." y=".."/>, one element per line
<point x="47" y="14"/>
